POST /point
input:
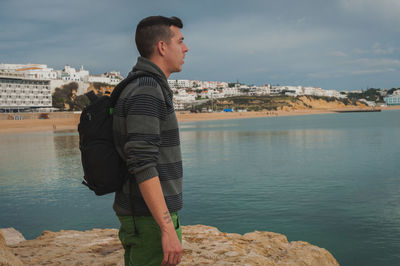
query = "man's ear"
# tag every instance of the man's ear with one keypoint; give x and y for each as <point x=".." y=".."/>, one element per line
<point x="161" y="48"/>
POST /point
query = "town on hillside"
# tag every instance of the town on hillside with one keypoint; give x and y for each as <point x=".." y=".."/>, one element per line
<point x="37" y="87"/>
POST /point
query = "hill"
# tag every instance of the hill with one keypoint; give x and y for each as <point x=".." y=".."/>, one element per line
<point x="279" y="103"/>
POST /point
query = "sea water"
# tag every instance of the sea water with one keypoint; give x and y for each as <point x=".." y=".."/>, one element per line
<point x="332" y="180"/>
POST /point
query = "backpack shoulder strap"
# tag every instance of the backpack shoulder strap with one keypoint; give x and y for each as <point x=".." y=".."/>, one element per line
<point x="92" y="96"/>
<point x="121" y="86"/>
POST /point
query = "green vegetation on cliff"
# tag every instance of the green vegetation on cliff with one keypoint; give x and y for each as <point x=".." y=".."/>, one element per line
<point x="65" y="98"/>
<point x="370" y="95"/>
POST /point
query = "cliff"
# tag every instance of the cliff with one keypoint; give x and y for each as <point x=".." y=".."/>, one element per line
<point x="281" y="103"/>
<point x="203" y="245"/>
<point x="322" y="103"/>
<point x="7" y="257"/>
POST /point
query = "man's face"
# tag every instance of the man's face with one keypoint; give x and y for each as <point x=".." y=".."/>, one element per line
<point x="176" y="50"/>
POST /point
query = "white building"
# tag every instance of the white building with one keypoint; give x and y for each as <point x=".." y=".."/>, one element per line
<point x="32" y="71"/>
<point x="212" y="94"/>
<point x="222" y="84"/>
<point x="184" y="97"/>
<point x="71" y="74"/>
<point x="393" y="99"/>
<point x="179" y="106"/>
<point x="213" y="84"/>
<point x="292" y="90"/>
<point x="111" y="78"/>
<point x="275" y="90"/>
<point x="264" y="90"/>
<point x="313" y="91"/>
<point x="179" y="83"/>
<point x="228" y="92"/>
<point x="196" y="84"/>
<point x="171" y="83"/>
<point x="99" y="79"/>
<point x="21" y="93"/>
<point x="334" y="93"/>
<point x="114" y="76"/>
<point x="58" y="78"/>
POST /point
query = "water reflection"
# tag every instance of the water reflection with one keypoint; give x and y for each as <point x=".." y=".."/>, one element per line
<point x="274" y="145"/>
<point x="25" y="157"/>
<point x="36" y="158"/>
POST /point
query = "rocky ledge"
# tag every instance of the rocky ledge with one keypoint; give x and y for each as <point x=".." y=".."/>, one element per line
<point x="203" y="245"/>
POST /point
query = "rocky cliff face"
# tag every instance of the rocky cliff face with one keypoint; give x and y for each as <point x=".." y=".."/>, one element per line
<point x="305" y="102"/>
<point x="316" y="103"/>
<point x="283" y="103"/>
<point x="203" y="245"/>
<point x="7" y="257"/>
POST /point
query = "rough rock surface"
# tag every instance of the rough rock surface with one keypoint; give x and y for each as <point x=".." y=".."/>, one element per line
<point x="203" y="245"/>
<point x="7" y="258"/>
<point x="305" y="102"/>
<point x="12" y="236"/>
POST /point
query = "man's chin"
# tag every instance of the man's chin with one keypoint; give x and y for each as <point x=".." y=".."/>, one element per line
<point x="178" y="69"/>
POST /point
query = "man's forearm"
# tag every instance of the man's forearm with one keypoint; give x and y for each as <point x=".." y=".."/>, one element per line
<point x="154" y="198"/>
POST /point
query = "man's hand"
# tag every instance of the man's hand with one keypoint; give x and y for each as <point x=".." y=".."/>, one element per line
<point x="172" y="247"/>
<point x="154" y="198"/>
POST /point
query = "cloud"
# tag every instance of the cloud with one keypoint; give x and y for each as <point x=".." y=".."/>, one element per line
<point x="385" y="10"/>
<point x="284" y="50"/>
<point x="255" y="41"/>
<point x="60" y="12"/>
<point x="245" y="44"/>
<point x="257" y="34"/>
<point x="384" y="6"/>
<point x="377" y="49"/>
<point x="325" y="75"/>
<point x="372" y="71"/>
<point x="375" y="62"/>
<point x="361" y="67"/>
<point x="337" y="54"/>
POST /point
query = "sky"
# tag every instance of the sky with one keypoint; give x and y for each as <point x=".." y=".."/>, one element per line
<point x="336" y="44"/>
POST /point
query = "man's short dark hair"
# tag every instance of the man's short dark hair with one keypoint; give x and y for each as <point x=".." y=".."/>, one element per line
<point x="153" y="29"/>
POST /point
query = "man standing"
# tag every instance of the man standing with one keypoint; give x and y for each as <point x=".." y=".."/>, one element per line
<point x="147" y="136"/>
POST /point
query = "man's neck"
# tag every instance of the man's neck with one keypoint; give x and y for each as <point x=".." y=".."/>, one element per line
<point x="160" y="64"/>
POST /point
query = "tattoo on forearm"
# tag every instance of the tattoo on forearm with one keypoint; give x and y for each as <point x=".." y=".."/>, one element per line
<point x="167" y="217"/>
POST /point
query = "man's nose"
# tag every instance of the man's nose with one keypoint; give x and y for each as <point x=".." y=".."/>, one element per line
<point x="185" y="48"/>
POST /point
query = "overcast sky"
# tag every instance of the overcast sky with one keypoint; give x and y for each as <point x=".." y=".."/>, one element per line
<point x="336" y="44"/>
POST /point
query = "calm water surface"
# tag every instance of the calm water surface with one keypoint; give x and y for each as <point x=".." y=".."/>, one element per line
<point x="332" y="180"/>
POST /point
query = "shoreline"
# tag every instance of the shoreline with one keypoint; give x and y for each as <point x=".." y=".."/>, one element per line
<point x="244" y="115"/>
<point x="71" y="122"/>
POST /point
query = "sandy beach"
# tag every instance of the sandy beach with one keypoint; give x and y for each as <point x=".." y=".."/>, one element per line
<point x="69" y="121"/>
<point x="189" y="117"/>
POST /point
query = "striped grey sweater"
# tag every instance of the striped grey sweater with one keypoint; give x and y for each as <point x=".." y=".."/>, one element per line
<point x="146" y="135"/>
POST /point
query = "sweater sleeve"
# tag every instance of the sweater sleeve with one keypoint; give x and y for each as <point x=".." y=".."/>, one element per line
<point x="145" y="109"/>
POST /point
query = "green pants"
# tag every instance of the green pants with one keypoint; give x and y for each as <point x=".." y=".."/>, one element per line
<point x="143" y="245"/>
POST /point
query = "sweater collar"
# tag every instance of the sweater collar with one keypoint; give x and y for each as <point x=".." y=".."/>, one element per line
<point x="144" y="64"/>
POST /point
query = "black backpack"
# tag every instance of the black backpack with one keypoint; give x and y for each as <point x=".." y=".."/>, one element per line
<point x="104" y="170"/>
